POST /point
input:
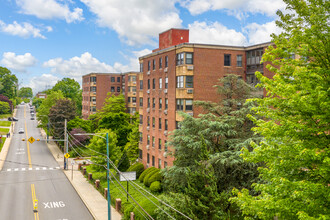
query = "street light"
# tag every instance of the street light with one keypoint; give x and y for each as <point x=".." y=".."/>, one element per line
<point x="108" y="168"/>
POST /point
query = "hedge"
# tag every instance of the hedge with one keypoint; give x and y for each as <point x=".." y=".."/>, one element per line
<point x="147" y="177"/>
<point x="146" y="172"/>
<point x="155" y="177"/>
<point x="138" y="167"/>
<point x="156" y="186"/>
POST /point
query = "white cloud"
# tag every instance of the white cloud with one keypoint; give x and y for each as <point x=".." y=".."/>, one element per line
<point x="25" y="30"/>
<point x="136" y="22"/>
<point x="214" y="33"/>
<point x="18" y="63"/>
<point x="235" y="7"/>
<point x="260" y="33"/>
<point x="40" y="83"/>
<point x="49" y="9"/>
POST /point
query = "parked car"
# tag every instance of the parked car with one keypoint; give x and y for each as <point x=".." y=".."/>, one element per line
<point x="32" y="118"/>
<point x="12" y="119"/>
<point x="21" y="131"/>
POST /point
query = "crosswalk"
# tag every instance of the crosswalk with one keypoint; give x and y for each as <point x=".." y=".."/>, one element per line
<point x="32" y="169"/>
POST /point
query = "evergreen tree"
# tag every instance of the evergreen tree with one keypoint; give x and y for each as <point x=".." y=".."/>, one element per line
<point x="295" y="120"/>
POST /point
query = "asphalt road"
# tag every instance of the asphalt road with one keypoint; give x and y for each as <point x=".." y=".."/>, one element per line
<point x="32" y="180"/>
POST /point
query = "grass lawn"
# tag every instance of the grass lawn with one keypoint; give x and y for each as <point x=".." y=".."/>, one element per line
<point x="4" y="131"/>
<point x="5" y="123"/>
<point x="116" y="191"/>
<point x="2" y="142"/>
<point x="5" y="115"/>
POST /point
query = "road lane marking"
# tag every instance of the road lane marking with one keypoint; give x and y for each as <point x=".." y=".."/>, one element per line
<point x="23" y="169"/>
<point x="33" y="169"/>
<point x="37" y="168"/>
<point x="30" y="168"/>
<point x="34" y="202"/>
<point x="16" y="169"/>
<point x="8" y="169"/>
<point x="28" y="147"/>
<point x="54" y="205"/>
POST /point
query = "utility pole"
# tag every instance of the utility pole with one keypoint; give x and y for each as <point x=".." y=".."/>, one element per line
<point x="65" y="145"/>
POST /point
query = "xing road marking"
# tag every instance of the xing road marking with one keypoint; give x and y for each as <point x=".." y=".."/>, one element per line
<point x="53" y="205"/>
<point x="28" y="146"/>
<point x="31" y="169"/>
<point x="34" y="202"/>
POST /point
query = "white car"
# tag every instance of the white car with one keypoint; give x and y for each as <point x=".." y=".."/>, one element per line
<point x="21" y="131"/>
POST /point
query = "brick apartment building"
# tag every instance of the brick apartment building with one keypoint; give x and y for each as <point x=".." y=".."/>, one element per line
<point x="177" y="74"/>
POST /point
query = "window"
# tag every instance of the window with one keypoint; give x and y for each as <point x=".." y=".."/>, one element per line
<point x="166" y="82"/>
<point x="165" y="164"/>
<point x="239" y="61"/>
<point x="112" y="79"/>
<point x="153" y="142"/>
<point x="159" y="144"/>
<point x="166" y="61"/>
<point x="153" y="64"/>
<point x="153" y="161"/>
<point x="141" y="119"/>
<point x="133" y="89"/>
<point x="153" y="83"/>
<point x="166" y="103"/>
<point x="129" y="99"/>
<point x="189" y="82"/>
<point x="179" y="82"/>
<point x="148" y="121"/>
<point x="112" y="89"/>
<point x="149" y="65"/>
<point x="160" y="83"/>
<point x="148" y="83"/>
<point x="160" y="103"/>
<point x="93" y="88"/>
<point x="118" y="89"/>
<point x="93" y="79"/>
<point x="148" y="140"/>
<point x="159" y="163"/>
<point x="165" y="146"/>
<point x="118" y="79"/>
<point x="141" y="67"/>
<point x="160" y="62"/>
<point x="227" y="59"/>
<point x="134" y="99"/>
<point x="141" y="102"/>
<point x="141" y="84"/>
<point x="153" y="102"/>
<point x="93" y="108"/>
<point x="166" y="124"/>
<point x="189" y="105"/>
<point x="92" y="99"/>
<point x="140" y="154"/>
<point x="179" y="58"/>
<point x="140" y="136"/>
<point x="148" y="158"/>
<point x="177" y="125"/>
<point x="153" y="122"/>
<point x="189" y="58"/>
<point x="179" y="104"/>
<point x="148" y="103"/>
<point x="159" y="123"/>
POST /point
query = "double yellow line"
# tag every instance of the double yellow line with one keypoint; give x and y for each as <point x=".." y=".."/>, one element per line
<point x="34" y="202"/>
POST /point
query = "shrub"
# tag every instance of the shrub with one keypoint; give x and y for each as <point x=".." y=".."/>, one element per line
<point x="156" y="186"/>
<point x="155" y="177"/>
<point x="146" y="172"/>
<point x="147" y="177"/>
<point x="138" y="167"/>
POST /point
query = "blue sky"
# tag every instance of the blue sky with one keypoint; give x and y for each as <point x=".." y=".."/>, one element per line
<point x="43" y="41"/>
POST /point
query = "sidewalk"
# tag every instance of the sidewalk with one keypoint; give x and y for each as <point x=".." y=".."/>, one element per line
<point x="5" y="147"/>
<point x="94" y="201"/>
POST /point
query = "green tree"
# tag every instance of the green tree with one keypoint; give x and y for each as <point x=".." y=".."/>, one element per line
<point x="9" y="83"/>
<point x="77" y="122"/>
<point x="43" y="110"/>
<point x="25" y="92"/>
<point x="295" y="124"/>
<point x="4" y="108"/>
<point x="63" y="109"/>
<point x="132" y="146"/>
<point x="70" y="89"/>
<point x="37" y="102"/>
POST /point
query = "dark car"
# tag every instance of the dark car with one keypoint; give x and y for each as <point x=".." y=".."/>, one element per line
<point x="32" y="118"/>
<point x="12" y="119"/>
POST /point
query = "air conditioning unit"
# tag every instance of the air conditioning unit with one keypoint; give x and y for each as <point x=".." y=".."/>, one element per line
<point x="190" y="67"/>
<point x="134" y="93"/>
<point x="165" y="133"/>
<point x="148" y="128"/>
<point x="148" y="147"/>
<point x="191" y="113"/>
<point x="134" y="83"/>
<point x="165" y="91"/>
<point x="165" y="112"/>
<point x="190" y="91"/>
<point x="147" y="165"/>
<point x="165" y="69"/>
<point x="94" y="93"/>
<point x="165" y="154"/>
<point x="148" y="73"/>
<point x="134" y="104"/>
<point x="148" y="91"/>
<point x="148" y="109"/>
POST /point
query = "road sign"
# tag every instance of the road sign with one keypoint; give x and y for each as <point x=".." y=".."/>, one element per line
<point x="126" y="176"/>
<point x="31" y="140"/>
<point x="67" y="155"/>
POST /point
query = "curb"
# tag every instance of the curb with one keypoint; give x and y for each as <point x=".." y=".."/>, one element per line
<point x="5" y="147"/>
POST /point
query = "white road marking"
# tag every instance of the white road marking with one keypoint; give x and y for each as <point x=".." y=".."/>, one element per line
<point x="8" y="169"/>
<point x="37" y="168"/>
<point x="16" y="169"/>
<point x="44" y="168"/>
<point x="53" y="205"/>
<point x="23" y="169"/>
<point x="30" y="169"/>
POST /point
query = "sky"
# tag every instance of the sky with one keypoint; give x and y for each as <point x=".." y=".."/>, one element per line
<point x="43" y="41"/>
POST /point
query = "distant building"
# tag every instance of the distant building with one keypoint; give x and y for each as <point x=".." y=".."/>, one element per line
<point x="41" y="95"/>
